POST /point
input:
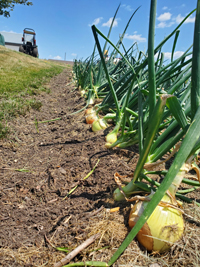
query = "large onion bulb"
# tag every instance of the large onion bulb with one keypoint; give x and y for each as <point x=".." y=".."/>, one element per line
<point x="164" y="227"/>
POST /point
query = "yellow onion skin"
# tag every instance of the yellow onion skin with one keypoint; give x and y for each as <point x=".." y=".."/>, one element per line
<point x="164" y="227"/>
<point x="98" y="125"/>
<point x="110" y="139"/>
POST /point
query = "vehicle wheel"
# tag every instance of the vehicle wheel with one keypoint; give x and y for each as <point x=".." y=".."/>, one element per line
<point x="35" y="52"/>
<point x="21" y="49"/>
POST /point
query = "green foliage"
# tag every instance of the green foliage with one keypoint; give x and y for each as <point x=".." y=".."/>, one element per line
<point x="146" y="89"/>
<point x="195" y="90"/>
<point x="7" y="5"/>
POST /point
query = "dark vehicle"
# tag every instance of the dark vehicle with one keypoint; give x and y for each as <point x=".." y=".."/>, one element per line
<point x="29" y="43"/>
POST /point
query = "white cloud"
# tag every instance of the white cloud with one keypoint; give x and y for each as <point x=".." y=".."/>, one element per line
<point x="74" y="54"/>
<point x="166" y="19"/>
<point x="96" y="21"/>
<point x="179" y="18"/>
<point x="57" y="57"/>
<point x="177" y="54"/>
<point x="108" y="23"/>
<point x="164" y="24"/>
<point x="165" y="8"/>
<point x="127" y="7"/>
<point x="165" y="16"/>
<point x="136" y="38"/>
<point x="161" y="25"/>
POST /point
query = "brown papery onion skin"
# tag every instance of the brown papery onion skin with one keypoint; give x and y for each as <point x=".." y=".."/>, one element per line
<point x="144" y="231"/>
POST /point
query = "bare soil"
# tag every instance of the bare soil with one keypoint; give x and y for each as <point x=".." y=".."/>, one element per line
<point x="38" y="168"/>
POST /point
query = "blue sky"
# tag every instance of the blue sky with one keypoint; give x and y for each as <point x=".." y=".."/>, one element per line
<point x="63" y="27"/>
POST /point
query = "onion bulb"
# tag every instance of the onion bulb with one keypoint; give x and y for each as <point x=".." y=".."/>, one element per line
<point x="164" y="227"/>
<point x="91" y="115"/>
<point x="98" y="125"/>
<point x="91" y="118"/>
<point x="83" y="92"/>
<point x="88" y="111"/>
<point x="111" y="138"/>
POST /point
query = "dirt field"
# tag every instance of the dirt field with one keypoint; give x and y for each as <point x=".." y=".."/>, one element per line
<point x="57" y="156"/>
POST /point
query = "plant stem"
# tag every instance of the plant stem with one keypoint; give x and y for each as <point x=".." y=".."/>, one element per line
<point x="151" y="64"/>
<point x="195" y="89"/>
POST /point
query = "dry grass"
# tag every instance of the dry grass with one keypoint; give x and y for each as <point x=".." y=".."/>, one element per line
<point x="29" y="256"/>
<point x="113" y="231"/>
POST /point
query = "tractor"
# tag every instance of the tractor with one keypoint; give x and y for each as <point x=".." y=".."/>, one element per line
<point x="29" y="43"/>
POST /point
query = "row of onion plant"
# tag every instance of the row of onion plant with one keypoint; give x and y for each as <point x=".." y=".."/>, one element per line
<point x="165" y="118"/>
<point x="123" y="96"/>
<point x="89" y="75"/>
